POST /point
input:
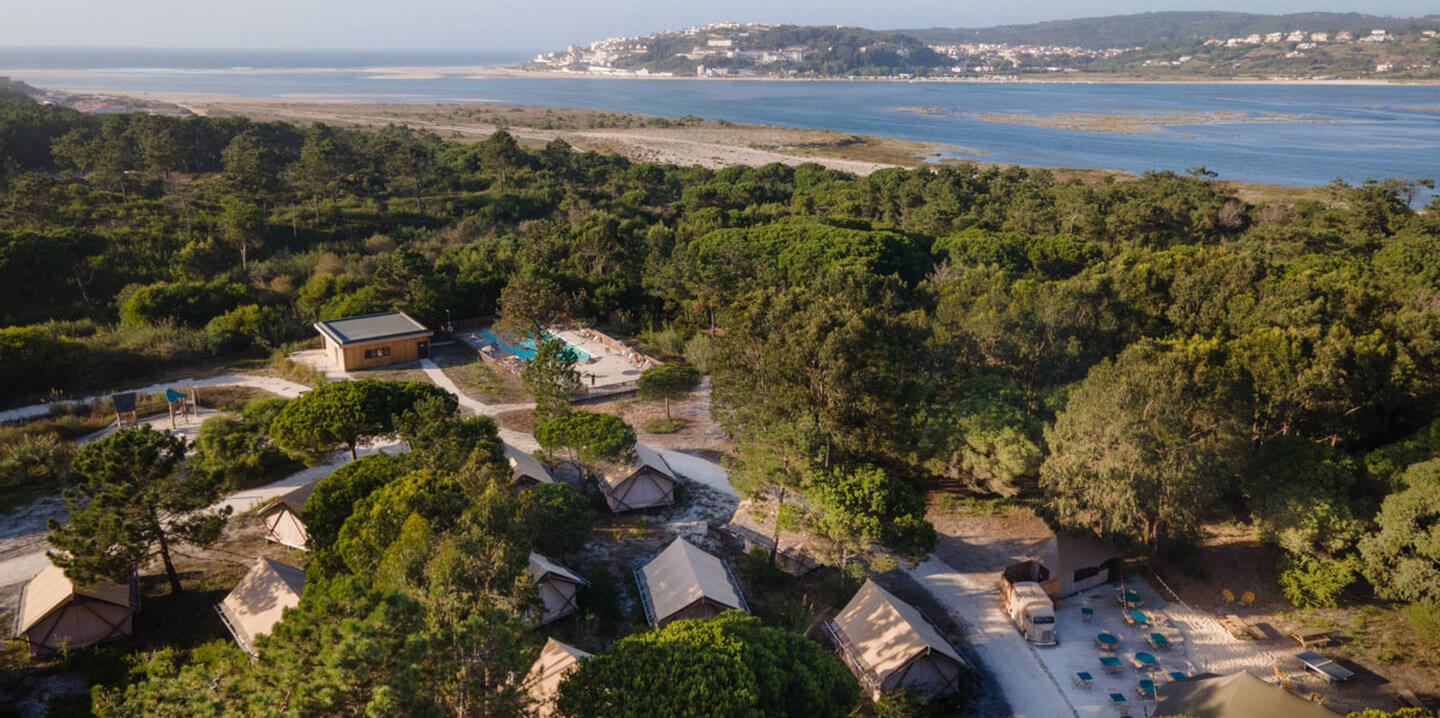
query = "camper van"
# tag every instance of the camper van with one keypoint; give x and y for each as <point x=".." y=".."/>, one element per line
<point x="1023" y="591"/>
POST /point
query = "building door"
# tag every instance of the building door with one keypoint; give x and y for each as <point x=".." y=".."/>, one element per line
<point x="423" y="349"/>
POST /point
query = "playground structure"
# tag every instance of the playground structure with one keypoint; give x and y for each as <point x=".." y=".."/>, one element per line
<point x="186" y="406"/>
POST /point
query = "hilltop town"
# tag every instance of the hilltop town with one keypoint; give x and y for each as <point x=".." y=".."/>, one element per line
<point x="1380" y="50"/>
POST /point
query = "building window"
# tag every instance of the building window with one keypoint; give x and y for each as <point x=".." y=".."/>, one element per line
<point x="377" y="353"/>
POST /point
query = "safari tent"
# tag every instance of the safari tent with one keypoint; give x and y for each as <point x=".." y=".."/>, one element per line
<point x="55" y="613"/>
<point x="282" y="517"/>
<point x="556" y="661"/>
<point x="686" y="582"/>
<point x="526" y="469"/>
<point x="558" y="586"/>
<point x="1238" y="695"/>
<point x="259" y="600"/>
<point x="648" y="482"/>
<point x="890" y="646"/>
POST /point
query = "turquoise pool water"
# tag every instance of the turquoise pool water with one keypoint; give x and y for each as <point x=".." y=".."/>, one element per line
<point x="526" y="348"/>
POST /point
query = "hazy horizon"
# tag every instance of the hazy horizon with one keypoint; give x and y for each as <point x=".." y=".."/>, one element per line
<point x="449" y="26"/>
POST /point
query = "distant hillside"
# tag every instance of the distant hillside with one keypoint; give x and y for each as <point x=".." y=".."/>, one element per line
<point x="1163" y="28"/>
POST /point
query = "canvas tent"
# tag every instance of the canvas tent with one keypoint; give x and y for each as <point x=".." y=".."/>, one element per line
<point x="558" y="586"/>
<point x="686" y="582"/>
<point x="890" y="646"/>
<point x="282" y="517"/>
<point x="1238" y="695"/>
<point x="648" y="482"/>
<point x="526" y="469"/>
<point x="556" y="661"/>
<point x="55" y="613"/>
<point x="259" y="600"/>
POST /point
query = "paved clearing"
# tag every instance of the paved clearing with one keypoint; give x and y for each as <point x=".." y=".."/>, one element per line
<point x="973" y="600"/>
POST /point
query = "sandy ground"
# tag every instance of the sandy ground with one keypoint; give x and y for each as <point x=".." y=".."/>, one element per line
<point x="278" y="387"/>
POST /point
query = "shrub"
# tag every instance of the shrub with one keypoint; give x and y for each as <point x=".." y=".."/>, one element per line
<point x="559" y="516"/>
<point x="661" y="425"/>
<point x="33" y="359"/>
<point x="700" y="352"/>
<point x="1310" y="582"/>
<point x="1424" y="617"/>
<point x="243" y="327"/>
<point x="191" y="304"/>
<point x="35" y="460"/>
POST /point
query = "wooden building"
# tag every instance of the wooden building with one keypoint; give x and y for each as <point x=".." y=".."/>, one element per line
<point x="372" y="340"/>
<point x="686" y="582"/>
<point x="890" y="646"/>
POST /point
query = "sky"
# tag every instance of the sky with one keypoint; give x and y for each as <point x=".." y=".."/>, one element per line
<point x="534" y="24"/>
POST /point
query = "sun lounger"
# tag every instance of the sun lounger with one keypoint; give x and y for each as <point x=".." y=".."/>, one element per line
<point x="1328" y="670"/>
<point x="1158" y="641"/>
<point x="1111" y="664"/>
<point x="1083" y="680"/>
<point x="1145" y="688"/>
<point x="1118" y="701"/>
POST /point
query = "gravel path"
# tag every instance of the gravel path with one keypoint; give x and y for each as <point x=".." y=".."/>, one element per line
<point x="972" y="599"/>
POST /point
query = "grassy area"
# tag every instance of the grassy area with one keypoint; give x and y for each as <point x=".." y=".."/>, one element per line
<point x="479" y="380"/>
<point x="662" y="425"/>
<point x="286" y="368"/>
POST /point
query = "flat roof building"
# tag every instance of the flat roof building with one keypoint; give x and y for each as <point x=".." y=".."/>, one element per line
<point x="372" y="340"/>
<point x="684" y="581"/>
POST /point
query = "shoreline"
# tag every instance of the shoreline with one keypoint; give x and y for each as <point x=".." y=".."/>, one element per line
<point x="478" y="72"/>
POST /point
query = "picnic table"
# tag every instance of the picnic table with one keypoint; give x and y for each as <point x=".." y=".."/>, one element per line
<point x="1107" y="641"/>
<point x="1177" y="675"/>
<point x="1308" y="637"/>
<point x="1157" y="640"/>
<point x="1129" y="599"/>
<point x="1146" y="688"/>
<point x="1118" y="701"/>
<point x="1111" y="664"/>
<point x="1144" y="661"/>
<point x="1329" y="670"/>
<point x="1083" y="679"/>
<point x="1237" y="627"/>
<point x="1137" y="617"/>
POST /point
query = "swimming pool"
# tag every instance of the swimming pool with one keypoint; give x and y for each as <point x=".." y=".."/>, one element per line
<point x="526" y="348"/>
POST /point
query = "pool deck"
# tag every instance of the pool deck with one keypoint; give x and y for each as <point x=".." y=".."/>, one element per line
<point x="609" y="370"/>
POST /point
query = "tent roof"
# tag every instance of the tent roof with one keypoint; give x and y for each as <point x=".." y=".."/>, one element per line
<point x="370" y="327"/>
<point x="542" y="566"/>
<point x="683" y="574"/>
<point x="525" y="464"/>
<point x="645" y="457"/>
<point x="258" y="601"/>
<point x="1238" y="695"/>
<point x="51" y="589"/>
<point x="888" y="633"/>
<point x="294" y="499"/>
<point x="555" y="662"/>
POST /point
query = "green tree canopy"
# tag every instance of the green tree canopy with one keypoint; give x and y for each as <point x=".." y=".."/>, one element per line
<point x="1402" y="557"/>
<point x="732" y="665"/>
<point x="340" y="414"/>
<point x="588" y="437"/>
<point x="134" y="504"/>
<point x="667" y="381"/>
<point x="550" y="377"/>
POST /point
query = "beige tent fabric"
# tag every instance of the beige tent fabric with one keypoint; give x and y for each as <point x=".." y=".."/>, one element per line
<point x="680" y="576"/>
<point x="645" y="458"/>
<point x="260" y="599"/>
<point x="282" y="517"/>
<point x="888" y="633"/>
<point x="556" y="661"/>
<point x="648" y="482"/>
<point x="1238" y="695"/>
<point x="54" y="611"/>
<point x="525" y="468"/>
<point x="558" y="586"/>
